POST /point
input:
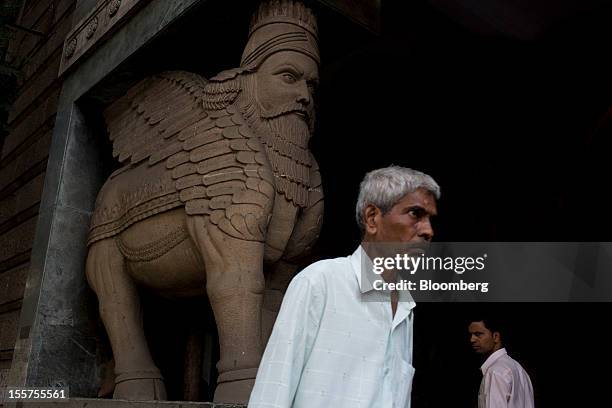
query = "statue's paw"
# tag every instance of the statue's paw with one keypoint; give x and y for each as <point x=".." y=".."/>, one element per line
<point x="146" y="389"/>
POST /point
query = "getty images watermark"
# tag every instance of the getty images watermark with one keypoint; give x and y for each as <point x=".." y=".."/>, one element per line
<point x="488" y="271"/>
<point x="410" y="264"/>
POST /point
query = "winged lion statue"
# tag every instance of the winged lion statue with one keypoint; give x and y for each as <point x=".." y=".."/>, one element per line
<point x="218" y="194"/>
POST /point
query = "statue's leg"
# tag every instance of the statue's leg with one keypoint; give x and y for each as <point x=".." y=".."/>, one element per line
<point x="296" y="256"/>
<point x="137" y="377"/>
<point x="277" y="281"/>
<point x="234" y="284"/>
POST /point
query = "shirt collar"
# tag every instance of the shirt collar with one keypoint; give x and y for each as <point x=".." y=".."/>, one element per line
<point x="493" y="358"/>
<point x="360" y="259"/>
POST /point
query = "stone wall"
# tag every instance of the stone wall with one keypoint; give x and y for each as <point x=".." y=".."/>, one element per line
<point x="25" y="151"/>
<point x="48" y="326"/>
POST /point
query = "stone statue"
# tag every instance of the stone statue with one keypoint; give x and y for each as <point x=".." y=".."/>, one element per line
<point x="218" y="195"/>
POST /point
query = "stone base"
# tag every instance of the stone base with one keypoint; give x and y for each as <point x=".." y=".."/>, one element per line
<point x="113" y="403"/>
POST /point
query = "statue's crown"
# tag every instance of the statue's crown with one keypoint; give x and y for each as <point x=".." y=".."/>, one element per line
<point x="284" y="11"/>
<point x="280" y="25"/>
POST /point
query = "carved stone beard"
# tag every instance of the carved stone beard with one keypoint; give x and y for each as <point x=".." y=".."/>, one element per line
<point x="284" y="135"/>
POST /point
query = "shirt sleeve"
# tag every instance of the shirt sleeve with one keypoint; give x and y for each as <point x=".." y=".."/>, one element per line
<point x="499" y="390"/>
<point x="289" y="346"/>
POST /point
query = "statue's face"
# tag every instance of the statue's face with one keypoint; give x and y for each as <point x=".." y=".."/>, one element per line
<point x="286" y="82"/>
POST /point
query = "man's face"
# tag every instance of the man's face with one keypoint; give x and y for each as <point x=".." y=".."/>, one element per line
<point x="285" y="84"/>
<point x="482" y="340"/>
<point x="409" y="220"/>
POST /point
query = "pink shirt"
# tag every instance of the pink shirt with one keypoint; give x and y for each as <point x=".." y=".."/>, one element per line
<point x="505" y="383"/>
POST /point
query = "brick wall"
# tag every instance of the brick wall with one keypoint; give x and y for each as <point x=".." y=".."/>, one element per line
<point x="25" y="150"/>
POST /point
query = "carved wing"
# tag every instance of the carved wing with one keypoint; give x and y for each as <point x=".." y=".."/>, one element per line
<point x="161" y="131"/>
<point x="144" y="122"/>
<point x="222" y="171"/>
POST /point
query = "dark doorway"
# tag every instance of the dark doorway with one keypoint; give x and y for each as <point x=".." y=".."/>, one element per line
<point x="507" y="105"/>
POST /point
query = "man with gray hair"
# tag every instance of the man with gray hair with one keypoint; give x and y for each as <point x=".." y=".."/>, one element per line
<point x="337" y="341"/>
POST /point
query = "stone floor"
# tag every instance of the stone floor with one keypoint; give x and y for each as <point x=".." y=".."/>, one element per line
<point x="109" y="403"/>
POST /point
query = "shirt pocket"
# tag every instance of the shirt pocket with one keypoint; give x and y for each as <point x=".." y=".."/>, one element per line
<point x="403" y="387"/>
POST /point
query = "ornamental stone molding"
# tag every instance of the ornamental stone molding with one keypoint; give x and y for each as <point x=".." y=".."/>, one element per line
<point x="107" y="17"/>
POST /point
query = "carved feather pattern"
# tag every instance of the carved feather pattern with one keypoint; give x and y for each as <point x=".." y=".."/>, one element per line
<point x="145" y="122"/>
<point x="214" y="163"/>
<point x="234" y="179"/>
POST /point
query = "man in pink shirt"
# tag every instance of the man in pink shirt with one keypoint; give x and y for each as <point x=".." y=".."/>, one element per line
<point x="504" y="383"/>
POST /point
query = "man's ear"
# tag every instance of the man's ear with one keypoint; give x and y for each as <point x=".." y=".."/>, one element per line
<point x="370" y="215"/>
<point x="496" y="337"/>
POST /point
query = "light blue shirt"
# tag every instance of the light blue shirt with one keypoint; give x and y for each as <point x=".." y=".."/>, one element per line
<point x="336" y="343"/>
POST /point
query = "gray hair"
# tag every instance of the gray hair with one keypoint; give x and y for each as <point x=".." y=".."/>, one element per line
<point x="385" y="187"/>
